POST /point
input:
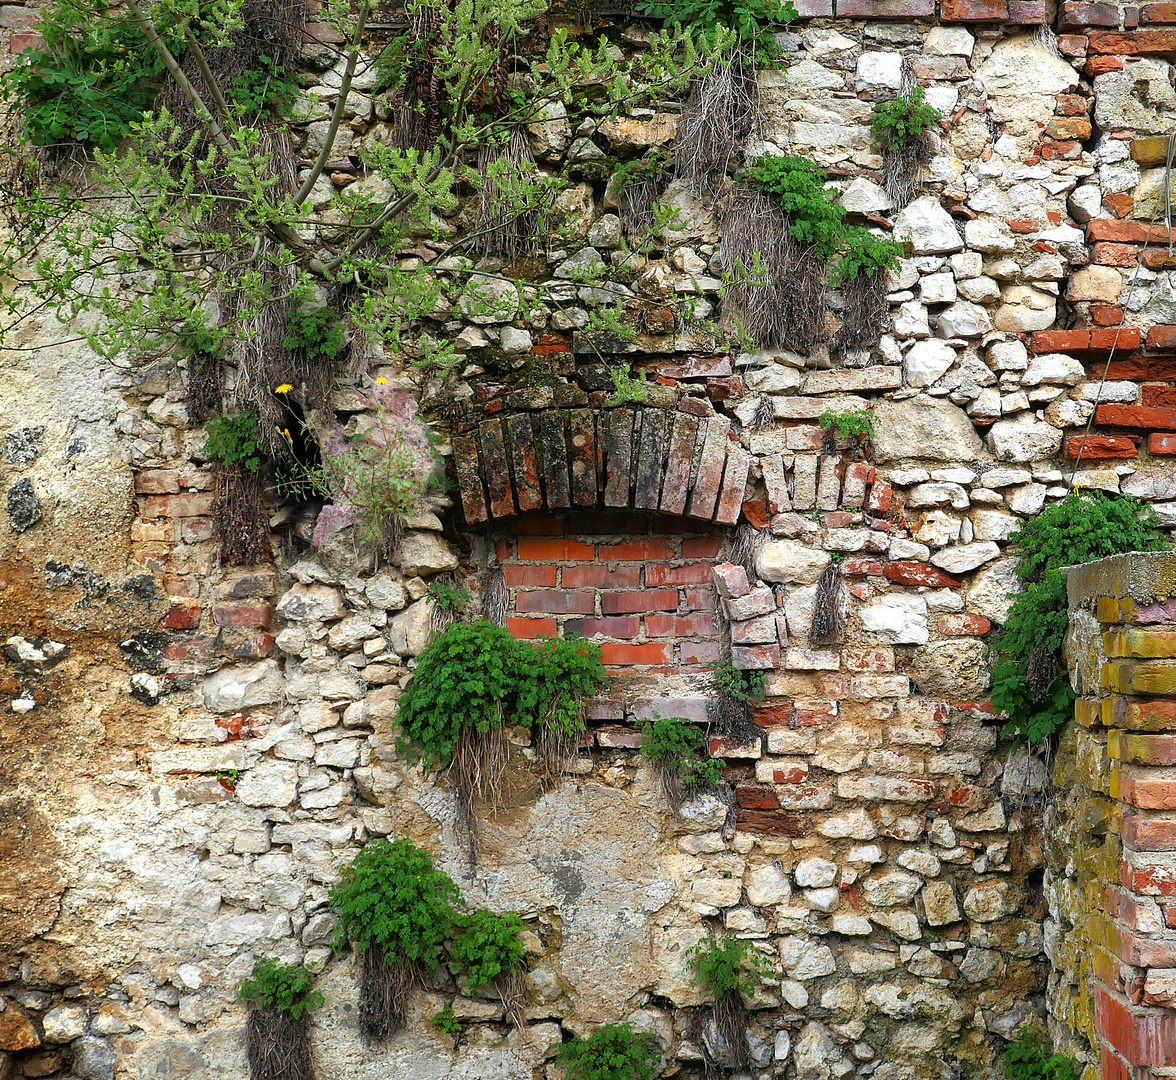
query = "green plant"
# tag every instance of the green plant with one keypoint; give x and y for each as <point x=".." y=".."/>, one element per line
<point x="1030" y="685"/>
<point x="849" y="424"/>
<point x="446" y="597"/>
<point x="446" y="1021"/>
<point x="865" y="255"/>
<point x="264" y="88"/>
<point x="627" y="387"/>
<point x="815" y="216"/>
<point x="744" y="17"/>
<point x="741" y="685"/>
<point x="316" y="331"/>
<point x="285" y="987"/>
<point x="393" y="898"/>
<point x="200" y="343"/>
<point x="487" y="945"/>
<point x="1030" y="1057"/>
<point x="676" y="745"/>
<point x="643" y="170"/>
<point x="228" y="778"/>
<point x="729" y="964"/>
<point x="902" y="118"/>
<point x="612" y="1052"/>
<point x="235" y="440"/>
<point x="89" y="83"/>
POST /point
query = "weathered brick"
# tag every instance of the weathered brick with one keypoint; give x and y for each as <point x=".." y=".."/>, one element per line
<point x="532" y="628"/>
<point x="620" y="603"/>
<point x="619" y="626"/>
<point x="531" y="576"/>
<point x="1132" y="715"/>
<point x="697" y="624"/>
<point x="974" y="10"/>
<point x="1149" y="834"/>
<point x="852" y="380"/>
<point x="1137" y="642"/>
<point x="556" y="551"/>
<point x="885" y="788"/>
<point x="1114" y="255"/>
<point x="881" y="496"/>
<point x="884" y="9"/>
<point x="1106" y="314"/>
<point x="1148" y="880"/>
<point x="1135" y="416"/>
<point x="191" y="504"/>
<point x="1162" y="396"/>
<point x="1161" y="443"/>
<point x="242" y="615"/>
<point x="1027" y="12"/>
<point x="195" y="530"/>
<point x="157" y="481"/>
<point x="759" y="631"/>
<point x="1072" y="45"/>
<point x="616" y="655"/>
<point x="147" y="531"/>
<point x="918" y="573"/>
<point x="1068" y="127"/>
<point x="730" y="580"/>
<point x="601" y="577"/>
<point x="1145" y="1038"/>
<point x="689" y="574"/>
<point x="1157" y="13"/>
<point x="781" y="772"/>
<point x="963" y="623"/>
<point x="735" y="748"/>
<point x="1071" y="104"/>
<point x="537" y="525"/>
<point x="702" y="547"/>
<point x="556" y="602"/>
<point x="1100" y="65"/>
<point x="1100" y="447"/>
<point x="182" y="617"/>
<point x="616" y="737"/>
<point x="700" y="598"/>
<point x="699" y="652"/>
<point x="876" y="660"/>
<point x="755" y="657"/>
<point x="1136" y="43"/>
<point x="756" y="797"/>
<point x="1143" y="791"/>
<point x="632" y="550"/>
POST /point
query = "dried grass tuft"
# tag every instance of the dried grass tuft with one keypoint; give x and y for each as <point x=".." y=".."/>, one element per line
<point x="745" y="546"/>
<point x="475" y="772"/>
<point x="1042" y="666"/>
<point x="828" y="617"/>
<point x="902" y="168"/>
<point x="239" y="517"/>
<point x="865" y="316"/>
<point x="720" y="115"/>
<point x="278" y="1045"/>
<point x="206" y="379"/>
<point x="512" y="988"/>
<point x="765" y="412"/>
<point x="732" y="718"/>
<point x="497" y="601"/>
<point x="731" y="1021"/>
<point x="383" y="992"/>
<point x="500" y="229"/>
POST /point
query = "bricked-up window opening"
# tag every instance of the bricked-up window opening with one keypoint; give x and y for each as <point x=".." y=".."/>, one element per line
<point x="638" y="585"/>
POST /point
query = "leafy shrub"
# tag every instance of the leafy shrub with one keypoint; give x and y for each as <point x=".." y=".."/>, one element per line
<point x="235" y="440"/>
<point x="89" y="83"/>
<point x="264" y="88"/>
<point x="643" y="170"/>
<point x="741" y="685"/>
<point x="393" y="897"/>
<point x="478" y="675"/>
<point x="316" y="331"/>
<point x="1029" y="683"/>
<point x="200" y="344"/>
<point x="285" y="987"/>
<point x="627" y="386"/>
<point x="729" y="964"/>
<point x="850" y="424"/>
<point x="745" y="17"/>
<point x="1030" y="1057"/>
<point x="865" y="255"/>
<point x="676" y="745"/>
<point x="815" y="216"/>
<point x="446" y="1021"/>
<point x="487" y="945"/>
<point x="903" y="117"/>
<point x="446" y="597"/>
<point x="612" y="1052"/>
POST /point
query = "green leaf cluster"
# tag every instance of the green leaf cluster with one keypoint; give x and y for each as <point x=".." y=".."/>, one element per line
<point x="446" y="597"/>
<point x="678" y="745"/>
<point x="749" y="20"/>
<point x="285" y="987"/>
<point x="612" y="1052"/>
<point x="741" y="685"/>
<point x="487" y="945"/>
<point x="235" y="440"/>
<point x="446" y="1021"/>
<point x="263" y="89"/>
<point x="90" y="82"/>
<point x="1078" y="529"/>
<point x="393" y="897"/>
<point x="849" y="424"/>
<point x="642" y="170"/>
<point x="316" y="331"/>
<point x="901" y="118"/>
<point x="478" y="675"/>
<point x="865" y="255"/>
<point x="627" y="386"/>
<point x="727" y="964"/>
<point x="1030" y="1057"/>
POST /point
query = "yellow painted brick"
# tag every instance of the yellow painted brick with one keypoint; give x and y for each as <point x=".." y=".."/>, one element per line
<point x="1114" y="677"/>
<point x="1156" y="677"/>
<point x="1137" y="642"/>
<point x="1106" y="609"/>
<point x="1087" y="711"/>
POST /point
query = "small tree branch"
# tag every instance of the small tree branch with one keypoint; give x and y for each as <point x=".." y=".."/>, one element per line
<point x="218" y="100"/>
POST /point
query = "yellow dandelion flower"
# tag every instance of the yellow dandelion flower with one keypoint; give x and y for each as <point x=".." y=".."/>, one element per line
<point x="286" y="432"/>
<point x="382" y="379"/>
<point x="285" y="388"/>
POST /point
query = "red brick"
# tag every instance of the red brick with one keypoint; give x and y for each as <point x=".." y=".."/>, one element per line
<point x="616" y="736"/>
<point x="693" y="625"/>
<point x="1135" y="416"/>
<point x="616" y="627"/>
<point x="1059" y="151"/>
<point x="1022" y="227"/>
<point x="601" y="577"/>
<point x="691" y="574"/>
<point x="627" y="655"/>
<point x="1080" y="16"/>
<point x="322" y="32"/>
<point x="197" y="650"/>
<point x="1106" y="314"/>
<point x="756" y="797"/>
<point x="157" y="481"/>
<point x="242" y="615"/>
<point x="195" y="530"/>
<point x="596" y="524"/>
<point x="756" y="512"/>
<point x="245" y="644"/>
<point x="1072" y="44"/>
<point x="1161" y="443"/>
<point x="1163" y="397"/>
<point x="532" y="628"/>
<point x="881" y="496"/>
<point x="1119" y="204"/>
<point x="182" y="617"/>
<point x="699" y="652"/>
<point x="532" y="576"/>
<point x="859" y="566"/>
<point x="1070" y="105"/>
<point x="1027" y="12"/>
<point x="790" y="772"/>
<point x="1100" y="447"/>
<point x="537" y="525"/>
<point x="1139" y="43"/>
<point x="960" y="624"/>
<point x="635" y="550"/>
<point x="198" y="504"/>
<point x="1125" y="232"/>
<point x="731" y="580"/>
<point x="556" y="551"/>
<point x="703" y="547"/>
<point x="556" y="602"/>
<point x="1100" y="65"/>
<point x="504" y="549"/>
<point x="1149" y="834"/>
<point x="755" y="657"/>
<point x="25" y="40"/>
<point x="918" y="573"/>
<point x="1147" y="793"/>
<point x="1148" y="880"/>
<point x="619" y="603"/>
<point x="814" y="714"/>
<point x="1068" y="127"/>
<point x="1114" y="255"/>
<point x="700" y="599"/>
<point x="973" y="10"/>
<point x="1161" y="338"/>
<point x="1157" y="13"/>
<point x="1130" y="21"/>
<point x="1143" y="1038"/>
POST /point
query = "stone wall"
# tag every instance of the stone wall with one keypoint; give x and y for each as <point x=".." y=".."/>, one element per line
<point x="884" y="850"/>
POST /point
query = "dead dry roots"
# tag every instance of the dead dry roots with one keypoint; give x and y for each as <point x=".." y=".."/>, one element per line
<point x="828" y="618"/>
<point x="239" y="517"/>
<point x="512" y="988"/>
<point x="865" y="316"/>
<point x="475" y="771"/>
<point x="383" y="993"/>
<point x="731" y="1022"/>
<point x="720" y="114"/>
<point x="902" y="168"/>
<point x="782" y="301"/>
<point x="278" y="1045"/>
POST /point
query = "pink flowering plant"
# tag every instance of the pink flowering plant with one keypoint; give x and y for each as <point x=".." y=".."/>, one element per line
<point x="376" y="478"/>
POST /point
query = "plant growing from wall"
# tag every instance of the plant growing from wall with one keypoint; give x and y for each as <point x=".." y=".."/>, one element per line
<point x="204" y="349"/>
<point x="239" y="517"/>
<point x="396" y="908"/>
<point x="474" y="678"/>
<point x="281" y="998"/>
<point x="1029" y="1056"/>
<point x="900" y="129"/>
<point x="736" y="690"/>
<point x="854" y="426"/>
<point x="861" y="272"/>
<point x="446" y="1021"/>
<point x="1030" y="682"/>
<point x="828" y="619"/>
<point x="627" y="387"/>
<point x="316" y="331"/>
<point x="676" y="748"/>
<point x="489" y="947"/>
<point x="447" y="604"/>
<point x="612" y="1052"/>
<point x="729" y="970"/>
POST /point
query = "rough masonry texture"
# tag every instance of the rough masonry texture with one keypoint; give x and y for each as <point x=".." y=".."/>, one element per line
<point x="884" y="850"/>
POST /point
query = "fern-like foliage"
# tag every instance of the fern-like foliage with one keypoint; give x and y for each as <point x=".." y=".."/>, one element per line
<point x="677" y="745"/>
<point x="814" y="214"/>
<point x="1030" y="1057"/>
<point x="612" y="1052"/>
<point x="904" y="117"/>
<point x="289" y="988"/>
<point x="487" y="945"/>
<point x="726" y="964"/>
